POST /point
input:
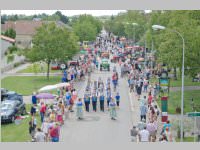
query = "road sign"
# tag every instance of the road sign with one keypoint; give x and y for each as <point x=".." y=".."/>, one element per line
<point x="193" y="114"/>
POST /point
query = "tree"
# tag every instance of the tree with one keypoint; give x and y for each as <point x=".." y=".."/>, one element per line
<point x="10" y="33"/>
<point x="63" y="18"/>
<point x="86" y="27"/>
<point x="52" y="43"/>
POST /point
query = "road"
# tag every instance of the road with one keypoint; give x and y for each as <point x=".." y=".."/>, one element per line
<point x="97" y="127"/>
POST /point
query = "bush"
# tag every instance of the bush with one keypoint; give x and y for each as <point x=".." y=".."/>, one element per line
<point x="10" y="58"/>
<point x="12" y="49"/>
<point x="16" y="64"/>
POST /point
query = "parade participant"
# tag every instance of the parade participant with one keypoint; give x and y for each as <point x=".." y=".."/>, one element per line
<point x="79" y="106"/>
<point x="143" y="112"/>
<point x="146" y="83"/>
<point x="112" y="109"/>
<point x="94" y="102"/>
<point x="167" y="124"/>
<point x="117" y="97"/>
<point x="87" y="102"/>
<point x="151" y="127"/>
<point x="144" y="135"/>
<point x="101" y="100"/>
<point x="134" y="134"/>
<point x="108" y="96"/>
<point x="150" y="99"/>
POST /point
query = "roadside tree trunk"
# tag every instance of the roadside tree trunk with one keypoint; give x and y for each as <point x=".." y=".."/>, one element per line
<point x="48" y="67"/>
<point x="175" y="74"/>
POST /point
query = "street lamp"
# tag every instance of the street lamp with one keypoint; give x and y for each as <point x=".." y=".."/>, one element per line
<point x="158" y="27"/>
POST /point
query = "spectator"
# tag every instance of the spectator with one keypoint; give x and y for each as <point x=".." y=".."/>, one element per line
<point x="152" y="130"/>
<point x="134" y="134"/>
<point x="39" y="136"/>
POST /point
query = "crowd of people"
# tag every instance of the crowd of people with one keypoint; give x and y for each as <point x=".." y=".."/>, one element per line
<point x="101" y="95"/>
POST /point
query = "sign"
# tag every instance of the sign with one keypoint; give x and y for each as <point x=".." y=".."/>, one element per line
<point x="193" y="114"/>
<point x="62" y="66"/>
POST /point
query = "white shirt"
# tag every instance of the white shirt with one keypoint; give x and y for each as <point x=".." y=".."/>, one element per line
<point x="40" y="137"/>
<point x="144" y="134"/>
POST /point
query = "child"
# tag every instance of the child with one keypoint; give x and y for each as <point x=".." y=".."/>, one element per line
<point x="117" y="97"/>
<point x="112" y="109"/>
<point x="79" y="106"/>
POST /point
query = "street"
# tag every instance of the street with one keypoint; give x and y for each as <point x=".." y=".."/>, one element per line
<point x="97" y="125"/>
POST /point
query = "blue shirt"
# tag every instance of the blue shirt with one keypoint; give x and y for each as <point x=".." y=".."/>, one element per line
<point x="101" y="98"/>
<point x="79" y="103"/>
<point x="86" y="99"/>
<point x="117" y="97"/>
<point x="94" y="98"/>
<point x="143" y="110"/>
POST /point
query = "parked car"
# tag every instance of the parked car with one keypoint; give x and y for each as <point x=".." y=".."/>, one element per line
<point x="3" y="93"/>
<point x="73" y="63"/>
<point x="11" y="95"/>
<point x="10" y="109"/>
<point x="55" y="66"/>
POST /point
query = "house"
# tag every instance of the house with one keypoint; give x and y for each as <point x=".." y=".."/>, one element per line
<point x="25" y="30"/>
<point x="5" y="43"/>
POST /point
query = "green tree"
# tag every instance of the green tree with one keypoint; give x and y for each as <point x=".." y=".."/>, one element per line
<point x="86" y="27"/>
<point x="52" y="43"/>
<point x="10" y="33"/>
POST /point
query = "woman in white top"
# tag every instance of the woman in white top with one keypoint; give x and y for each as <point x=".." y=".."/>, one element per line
<point x="44" y="128"/>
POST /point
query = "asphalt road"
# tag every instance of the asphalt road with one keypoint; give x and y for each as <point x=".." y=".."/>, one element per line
<point x="97" y="127"/>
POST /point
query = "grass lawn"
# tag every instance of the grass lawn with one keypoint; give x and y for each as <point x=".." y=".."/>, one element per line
<point x="177" y="83"/>
<point x="29" y="69"/>
<point x="27" y="85"/>
<point x="186" y="139"/>
<point x="175" y="100"/>
<point x="18" y="133"/>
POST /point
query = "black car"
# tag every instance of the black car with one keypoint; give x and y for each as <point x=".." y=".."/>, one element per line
<point x="3" y="93"/>
<point x="10" y="108"/>
<point x="11" y="95"/>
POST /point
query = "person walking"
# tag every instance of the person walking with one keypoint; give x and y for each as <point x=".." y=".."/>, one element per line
<point x="117" y="97"/>
<point x="79" y="106"/>
<point x="143" y="112"/>
<point x="168" y="134"/>
<point x="39" y="136"/>
<point x="151" y="127"/>
<point x="112" y="109"/>
<point x="94" y="102"/>
<point x="42" y="111"/>
<point x="44" y="128"/>
<point x="55" y="133"/>
<point x="144" y="135"/>
<point x="101" y="100"/>
<point x="87" y="102"/>
<point x="134" y="134"/>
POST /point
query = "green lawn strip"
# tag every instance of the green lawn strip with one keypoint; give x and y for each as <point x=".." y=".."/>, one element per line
<point x="26" y="85"/>
<point x="18" y="133"/>
<point x="29" y="69"/>
<point x="186" y="139"/>
<point x="178" y="83"/>
<point x="175" y="100"/>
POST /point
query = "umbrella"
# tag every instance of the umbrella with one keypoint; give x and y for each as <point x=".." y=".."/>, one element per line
<point x="140" y="59"/>
<point x="45" y="96"/>
<point x="60" y="85"/>
<point x="47" y="88"/>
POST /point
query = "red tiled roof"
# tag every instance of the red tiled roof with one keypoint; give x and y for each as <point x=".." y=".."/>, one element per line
<point x="22" y="27"/>
<point x="7" y="38"/>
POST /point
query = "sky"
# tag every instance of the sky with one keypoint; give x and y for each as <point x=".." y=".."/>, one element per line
<point x="65" y="12"/>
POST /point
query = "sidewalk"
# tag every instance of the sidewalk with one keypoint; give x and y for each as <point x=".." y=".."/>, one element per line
<point x="14" y="70"/>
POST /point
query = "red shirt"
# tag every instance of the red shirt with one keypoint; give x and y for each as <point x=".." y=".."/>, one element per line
<point x="43" y="109"/>
<point x="150" y="98"/>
